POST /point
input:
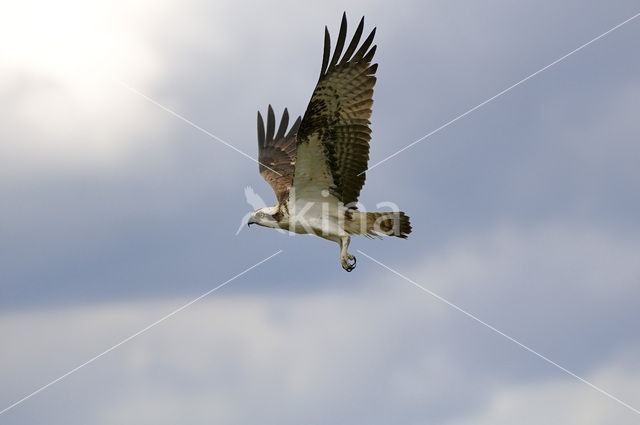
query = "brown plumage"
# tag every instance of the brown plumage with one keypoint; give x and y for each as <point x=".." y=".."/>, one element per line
<point x="339" y="111"/>
<point x="277" y="153"/>
<point x="337" y="117"/>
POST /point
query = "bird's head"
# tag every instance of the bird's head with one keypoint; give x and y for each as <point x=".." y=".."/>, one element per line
<point x="264" y="217"/>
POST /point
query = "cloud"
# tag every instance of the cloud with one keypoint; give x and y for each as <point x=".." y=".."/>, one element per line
<point x="331" y="353"/>
<point x="114" y="212"/>
<point x="63" y="106"/>
<point x="222" y="355"/>
<point x="566" y="401"/>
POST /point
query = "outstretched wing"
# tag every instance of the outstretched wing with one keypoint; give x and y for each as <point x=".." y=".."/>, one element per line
<point x="277" y="155"/>
<point x="333" y="140"/>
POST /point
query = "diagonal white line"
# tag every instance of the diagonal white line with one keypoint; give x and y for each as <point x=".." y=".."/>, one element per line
<point x="192" y="124"/>
<point x="501" y="93"/>
<point x="499" y="332"/>
<point x="141" y="331"/>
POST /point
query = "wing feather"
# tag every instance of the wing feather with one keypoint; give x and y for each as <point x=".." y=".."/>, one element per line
<point x="271" y="123"/>
<point x="333" y="139"/>
<point x="340" y="44"/>
<point x="354" y="42"/>
<point x="284" y="122"/>
<point x="277" y="156"/>
<point x="327" y="51"/>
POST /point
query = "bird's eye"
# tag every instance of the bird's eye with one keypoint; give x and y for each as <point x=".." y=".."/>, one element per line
<point x="261" y="215"/>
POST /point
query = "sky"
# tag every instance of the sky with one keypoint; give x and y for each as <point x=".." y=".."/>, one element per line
<point x="116" y="212"/>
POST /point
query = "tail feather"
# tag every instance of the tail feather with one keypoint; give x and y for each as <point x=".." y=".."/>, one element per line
<point x="388" y="223"/>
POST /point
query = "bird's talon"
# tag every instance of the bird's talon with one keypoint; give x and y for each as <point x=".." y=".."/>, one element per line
<point x="349" y="266"/>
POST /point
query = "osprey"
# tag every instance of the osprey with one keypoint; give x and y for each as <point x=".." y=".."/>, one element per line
<point x="317" y="168"/>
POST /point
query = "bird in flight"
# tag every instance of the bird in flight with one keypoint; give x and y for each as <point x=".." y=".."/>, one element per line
<point x="317" y="168"/>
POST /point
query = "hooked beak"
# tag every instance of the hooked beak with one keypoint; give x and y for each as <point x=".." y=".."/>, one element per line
<point x="251" y="221"/>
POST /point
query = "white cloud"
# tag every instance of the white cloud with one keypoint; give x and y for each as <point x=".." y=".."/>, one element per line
<point x="331" y="353"/>
<point x="62" y="103"/>
<point x="377" y="350"/>
<point x="567" y="401"/>
<point x="213" y="360"/>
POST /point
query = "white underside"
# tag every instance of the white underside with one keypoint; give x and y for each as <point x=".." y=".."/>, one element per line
<point x="324" y="217"/>
<point x="311" y="209"/>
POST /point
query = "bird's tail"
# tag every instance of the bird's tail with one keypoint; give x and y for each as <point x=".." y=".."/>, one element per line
<point x="394" y="223"/>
